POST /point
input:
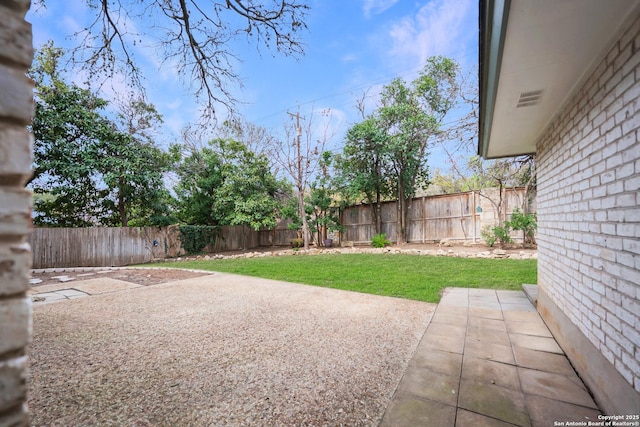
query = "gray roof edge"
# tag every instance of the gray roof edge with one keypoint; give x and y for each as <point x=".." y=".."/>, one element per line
<point x="493" y="17"/>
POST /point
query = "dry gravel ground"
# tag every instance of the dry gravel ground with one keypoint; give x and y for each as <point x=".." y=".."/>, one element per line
<point x="221" y="350"/>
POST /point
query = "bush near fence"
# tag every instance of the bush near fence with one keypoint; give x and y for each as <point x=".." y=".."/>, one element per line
<point x="455" y="217"/>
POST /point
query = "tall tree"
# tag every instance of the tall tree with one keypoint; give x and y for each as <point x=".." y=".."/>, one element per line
<point x="256" y="138"/>
<point x="133" y="173"/>
<point x="362" y="166"/>
<point x="199" y="177"/>
<point x="249" y="193"/>
<point x="398" y="133"/>
<point x="321" y="208"/>
<point x="411" y="116"/>
<point x="196" y="35"/>
<point x="93" y="171"/>
<point x="299" y="155"/>
<point x="133" y="167"/>
<point x="225" y="183"/>
<point x="67" y="128"/>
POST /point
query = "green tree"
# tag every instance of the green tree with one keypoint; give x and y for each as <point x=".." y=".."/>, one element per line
<point x="411" y="116"/>
<point x="249" y="193"/>
<point x="133" y="167"/>
<point x="67" y="127"/>
<point x="199" y="177"/>
<point x="363" y="166"/>
<point x="321" y="209"/>
<point x="133" y="173"/>
<point x="92" y="171"/>
<point x="227" y="184"/>
<point x="387" y="153"/>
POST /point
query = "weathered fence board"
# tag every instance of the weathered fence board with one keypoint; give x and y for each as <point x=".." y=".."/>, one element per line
<point x="452" y="216"/>
<point x="100" y="247"/>
<point x="449" y="216"/>
<point x="279" y="236"/>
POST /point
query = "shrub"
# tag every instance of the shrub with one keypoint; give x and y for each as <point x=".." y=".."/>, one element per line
<point x="500" y="234"/>
<point x="488" y="236"/>
<point x="297" y="242"/>
<point x="380" y="241"/>
<point x="527" y="223"/>
<point x="195" y="238"/>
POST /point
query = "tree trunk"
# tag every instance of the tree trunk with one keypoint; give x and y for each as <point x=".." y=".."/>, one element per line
<point x="401" y="216"/>
<point x="122" y="206"/>
<point x="303" y="215"/>
<point x="377" y="217"/>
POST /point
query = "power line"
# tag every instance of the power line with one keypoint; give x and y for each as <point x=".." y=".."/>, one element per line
<point x="385" y="78"/>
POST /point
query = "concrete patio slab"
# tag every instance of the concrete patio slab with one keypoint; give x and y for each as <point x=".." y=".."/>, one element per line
<point x="490" y="351"/>
<point x="444" y="343"/>
<point x="480" y="335"/>
<point x="72" y="293"/>
<point x="450" y="319"/>
<point x="555" y="386"/>
<point x="535" y="343"/>
<point x="409" y="411"/>
<point x="519" y="307"/>
<point x="522" y="316"/>
<point x="454" y="310"/>
<point x="48" y="297"/>
<point x="529" y="328"/>
<point x="483" y="323"/>
<point x="510" y="370"/>
<point x="468" y="418"/>
<point x="542" y="361"/>
<point x="445" y="330"/>
<point x="50" y="288"/>
<point x="430" y="385"/>
<point x="491" y="372"/>
<point x="103" y="285"/>
<point x="437" y="361"/>
<point x="545" y="412"/>
<point x="493" y="401"/>
<point x="488" y="313"/>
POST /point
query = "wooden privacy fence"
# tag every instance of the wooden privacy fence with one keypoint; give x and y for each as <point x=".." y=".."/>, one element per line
<point x="454" y="216"/>
<point x="118" y="246"/>
<point x="95" y="247"/>
<point x="460" y="216"/>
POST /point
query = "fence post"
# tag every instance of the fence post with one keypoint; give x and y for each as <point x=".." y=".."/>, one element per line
<point x="473" y="215"/>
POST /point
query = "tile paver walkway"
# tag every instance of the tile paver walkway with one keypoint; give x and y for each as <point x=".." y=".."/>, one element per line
<point x="488" y="359"/>
<point x="78" y="289"/>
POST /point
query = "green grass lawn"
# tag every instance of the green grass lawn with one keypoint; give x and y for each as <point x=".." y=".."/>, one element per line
<point x="420" y="278"/>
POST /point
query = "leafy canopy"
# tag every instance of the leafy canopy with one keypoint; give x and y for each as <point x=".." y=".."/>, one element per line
<point x="225" y="183"/>
<point x="87" y="170"/>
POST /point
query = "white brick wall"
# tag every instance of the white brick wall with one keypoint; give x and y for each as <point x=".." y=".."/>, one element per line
<point x="16" y="106"/>
<point x="589" y="207"/>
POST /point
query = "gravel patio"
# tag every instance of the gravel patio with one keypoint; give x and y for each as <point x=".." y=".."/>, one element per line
<point x="221" y="350"/>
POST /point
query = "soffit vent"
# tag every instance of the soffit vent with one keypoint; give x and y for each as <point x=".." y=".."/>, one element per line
<point x="529" y="99"/>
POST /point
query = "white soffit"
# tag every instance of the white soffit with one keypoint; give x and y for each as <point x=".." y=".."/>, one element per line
<point x="550" y="47"/>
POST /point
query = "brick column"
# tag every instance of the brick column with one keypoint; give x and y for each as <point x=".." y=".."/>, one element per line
<point x="16" y="108"/>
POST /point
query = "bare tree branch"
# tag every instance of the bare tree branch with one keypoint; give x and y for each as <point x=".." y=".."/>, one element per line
<point x="197" y="34"/>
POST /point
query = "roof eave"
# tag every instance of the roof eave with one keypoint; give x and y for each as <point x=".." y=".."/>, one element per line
<point x="494" y="16"/>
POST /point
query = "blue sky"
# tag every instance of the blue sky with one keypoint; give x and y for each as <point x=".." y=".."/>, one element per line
<point x="351" y="46"/>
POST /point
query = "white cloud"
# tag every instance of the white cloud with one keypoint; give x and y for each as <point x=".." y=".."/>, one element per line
<point x="350" y="57"/>
<point x="376" y="7"/>
<point x="441" y="27"/>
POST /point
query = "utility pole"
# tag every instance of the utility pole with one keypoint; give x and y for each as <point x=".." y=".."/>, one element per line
<point x="300" y="183"/>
